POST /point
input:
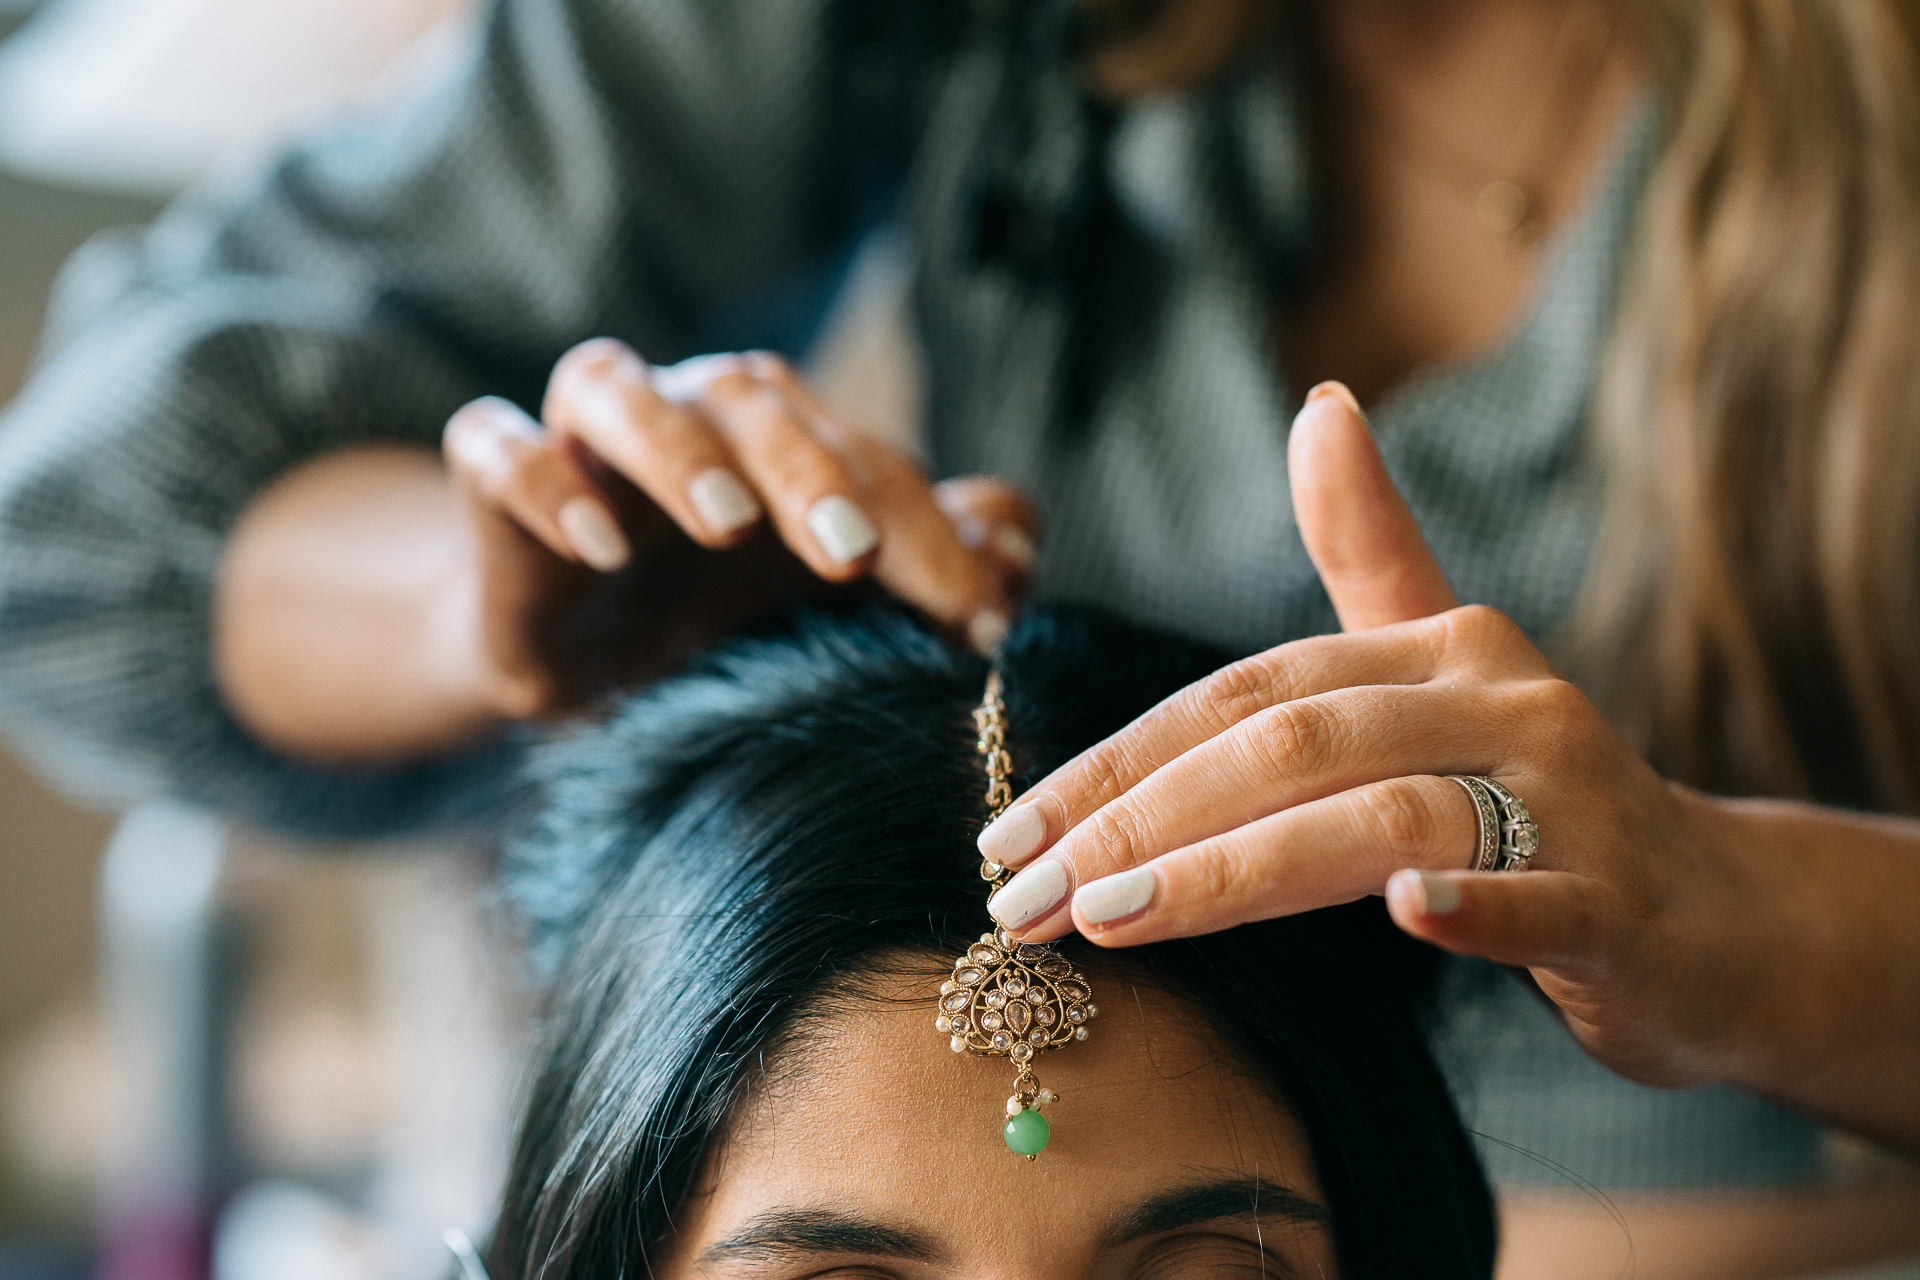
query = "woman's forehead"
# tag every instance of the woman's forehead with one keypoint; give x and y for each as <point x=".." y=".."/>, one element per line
<point x="875" y="1119"/>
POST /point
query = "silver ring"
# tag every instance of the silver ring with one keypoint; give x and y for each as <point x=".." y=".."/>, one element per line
<point x="1508" y="837"/>
<point x="1486" y="851"/>
<point x="1519" y="837"/>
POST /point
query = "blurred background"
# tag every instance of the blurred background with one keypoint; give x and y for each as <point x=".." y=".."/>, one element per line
<point x="279" y="1062"/>
<point x="219" y="1054"/>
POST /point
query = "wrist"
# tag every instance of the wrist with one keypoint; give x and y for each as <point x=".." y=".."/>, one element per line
<point x="1741" y="944"/>
<point x="1794" y="969"/>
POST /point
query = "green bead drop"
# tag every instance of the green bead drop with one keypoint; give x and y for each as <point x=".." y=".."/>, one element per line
<point x="1027" y="1133"/>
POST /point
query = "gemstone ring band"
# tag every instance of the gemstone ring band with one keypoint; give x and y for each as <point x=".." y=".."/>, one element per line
<point x="1507" y="837"/>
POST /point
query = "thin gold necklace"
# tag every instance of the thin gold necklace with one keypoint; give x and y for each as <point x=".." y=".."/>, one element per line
<point x="1508" y="202"/>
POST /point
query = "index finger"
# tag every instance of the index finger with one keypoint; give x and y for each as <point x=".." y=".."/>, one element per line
<point x="1408" y="653"/>
<point x="602" y="395"/>
<point x="1362" y="536"/>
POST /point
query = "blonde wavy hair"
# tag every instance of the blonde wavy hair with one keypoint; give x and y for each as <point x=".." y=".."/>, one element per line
<point x="1753" y="615"/>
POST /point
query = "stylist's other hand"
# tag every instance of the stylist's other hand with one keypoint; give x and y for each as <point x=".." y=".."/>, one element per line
<point x="1314" y="773"/>
<point x="652" y="509"/>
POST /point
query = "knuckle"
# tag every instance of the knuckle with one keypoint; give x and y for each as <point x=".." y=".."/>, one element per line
<point x="1293" y="737"/>
<point x="1559" y="700"/>
<point x="1109" y="772"/>
<point x="1233" y="693"/>
<point x="1116" y="839"/>
<point x="473" y="416"/>
<point x="806" y="469"/>
<point x="594" y="352"/>
<point x="1481" y="628"/>
<point x="1230" y="883"/>
<point x="885" y="463"/>
<point x="1218" y="872"/>
<point x="664" y="432"/>
<point x="1405" y="817"/>
<point x="565" y="382"/>
<point x="584" y="360"/>
<point x="772" y="366"/>
<point x="808" y="475"/>
<point x="1556" y="717"/>
<point x="759" y="414"/>
<point x="732" y="387"/>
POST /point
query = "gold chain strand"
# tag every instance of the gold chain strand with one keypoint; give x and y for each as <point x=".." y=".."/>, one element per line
<point x="1006" y="998"/>
<point x="990" y="718"/>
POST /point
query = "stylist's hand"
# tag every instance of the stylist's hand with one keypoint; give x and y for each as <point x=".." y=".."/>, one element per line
<point x="1314" y="774"/>
<point x="653" y="509"/>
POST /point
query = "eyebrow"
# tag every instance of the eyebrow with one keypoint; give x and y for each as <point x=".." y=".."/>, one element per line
<point x="785" y="1232"/>
<point x="1211" y="1201"/>
<point x="781" y="1232"/>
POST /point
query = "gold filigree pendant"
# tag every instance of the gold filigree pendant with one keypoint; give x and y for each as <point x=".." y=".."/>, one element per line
<point x="1009" y="1000"/>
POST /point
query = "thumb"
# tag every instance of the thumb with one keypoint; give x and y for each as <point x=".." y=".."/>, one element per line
<point x="1363" y="539"/>
<point x="1529" y="919"/>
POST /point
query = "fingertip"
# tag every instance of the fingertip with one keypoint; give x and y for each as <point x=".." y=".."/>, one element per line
<point x="1406" y="898"/>
<point x="594" y="534"/>
<point x="1338" y="392"/>
<point x="987" y="503"/>
<point x="473" y="430"/>
<point x="1015" y="546"/>
<point x="1115" y="899"/>
<point x="726" y="507"/>
<point x="1015" y="836"/>
<point x="1314" y="438"/>
<point x="775" y="369"/>
<point x="1330" y="425"/>
<point x="987" y="631"/>
<point x="842" y="531"/>
<point x="1102" y="936"/>
<point x="1029" y="901"/>
<point x="1415" y="896"/>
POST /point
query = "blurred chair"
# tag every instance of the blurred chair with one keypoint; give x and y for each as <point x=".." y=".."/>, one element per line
<point x="188" y="1188"/>
<point x="163" y="1000"/>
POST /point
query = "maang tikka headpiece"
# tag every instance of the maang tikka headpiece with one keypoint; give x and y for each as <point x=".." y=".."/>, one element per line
<point x="1009" y="999"/>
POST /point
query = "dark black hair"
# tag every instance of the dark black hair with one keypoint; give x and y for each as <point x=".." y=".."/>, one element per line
<point x="711" y="860"/>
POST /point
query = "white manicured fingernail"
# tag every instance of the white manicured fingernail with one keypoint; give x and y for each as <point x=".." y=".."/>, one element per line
<point x="722" y="502"/>
<point x="1014" y="836"/>
<point x="1115" y="897"/>
<point x="1427" y="893"/>
<point x="594" y="534"/>
<point x="1015" y="545"/>
<point x="986" y="631"/>
<point x="842" y="531"/>
<point x="1029" y="895"/>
